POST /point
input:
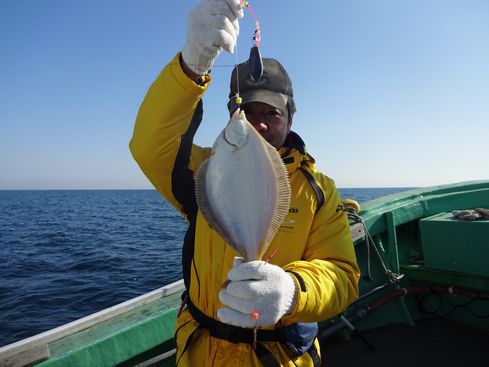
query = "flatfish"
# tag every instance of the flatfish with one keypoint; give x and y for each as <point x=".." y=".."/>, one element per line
<point x="243" y="189"/>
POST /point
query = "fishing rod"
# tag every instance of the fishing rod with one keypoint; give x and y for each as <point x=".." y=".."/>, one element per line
<point x="349" y="321"/>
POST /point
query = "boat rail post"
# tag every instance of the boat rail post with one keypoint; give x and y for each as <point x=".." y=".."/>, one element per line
<point x="393" y="254"/>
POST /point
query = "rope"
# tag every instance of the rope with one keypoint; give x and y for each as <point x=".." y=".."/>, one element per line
<point x="393" y="277"/>
<point x="472" y="214"/>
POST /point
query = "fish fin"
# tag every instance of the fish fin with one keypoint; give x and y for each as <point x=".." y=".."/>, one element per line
<point x="204" y="204"/>
<point x="283" y="190"/>
<point x="201" y="193"/>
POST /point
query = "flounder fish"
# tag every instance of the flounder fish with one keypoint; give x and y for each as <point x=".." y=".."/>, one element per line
<point x="243" y="189"/>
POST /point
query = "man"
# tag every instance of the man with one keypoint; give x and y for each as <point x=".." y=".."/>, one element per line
<point x="312" y="276"/>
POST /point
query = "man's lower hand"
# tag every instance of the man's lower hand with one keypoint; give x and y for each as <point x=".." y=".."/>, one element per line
<point x="258" y="294"/>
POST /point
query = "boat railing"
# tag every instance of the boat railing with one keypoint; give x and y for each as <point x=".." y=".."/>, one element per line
<point x="36" y="348"/>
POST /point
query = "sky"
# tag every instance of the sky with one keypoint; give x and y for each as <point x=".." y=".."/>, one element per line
<point x="389" y="93"/>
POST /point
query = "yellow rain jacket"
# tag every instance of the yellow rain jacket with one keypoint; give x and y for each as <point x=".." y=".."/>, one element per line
<point x="314" y="244"/>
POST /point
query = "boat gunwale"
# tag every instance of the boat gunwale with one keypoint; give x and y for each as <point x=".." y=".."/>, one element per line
<point x="414" y="204"/>
<point x="56" y="334"/>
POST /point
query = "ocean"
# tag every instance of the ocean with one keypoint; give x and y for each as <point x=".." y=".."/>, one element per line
<point x="69" y="253"/>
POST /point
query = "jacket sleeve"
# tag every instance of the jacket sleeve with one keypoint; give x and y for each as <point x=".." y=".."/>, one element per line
<point x="327" y="276"/>
<point x="163" y="133"/>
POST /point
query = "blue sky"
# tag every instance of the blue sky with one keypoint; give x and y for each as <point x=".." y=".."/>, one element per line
<point x="389" y="93"/>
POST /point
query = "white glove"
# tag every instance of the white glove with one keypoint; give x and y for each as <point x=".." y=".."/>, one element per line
<point x="258" y="294"/>
<point x="212" y="26"/>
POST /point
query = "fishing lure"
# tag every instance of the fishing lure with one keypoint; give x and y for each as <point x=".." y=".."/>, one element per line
<point x="255" y="60"/>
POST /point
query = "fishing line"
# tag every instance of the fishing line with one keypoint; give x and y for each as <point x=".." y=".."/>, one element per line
<point x="255" y="61"/>
<point x="257" y="33"/>
<point x="238" y="99"/>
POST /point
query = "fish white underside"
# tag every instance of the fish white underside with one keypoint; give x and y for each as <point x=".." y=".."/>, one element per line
<point x="243" y="189"/>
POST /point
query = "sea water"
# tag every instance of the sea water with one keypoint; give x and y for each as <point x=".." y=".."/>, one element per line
<point x="66" y="254"/>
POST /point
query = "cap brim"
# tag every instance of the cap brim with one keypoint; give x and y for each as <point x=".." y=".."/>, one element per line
<point x="277" y="100"/>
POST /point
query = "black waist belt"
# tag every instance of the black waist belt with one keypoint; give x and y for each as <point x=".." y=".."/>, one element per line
<point x="231" y="333"/>
<point x="286" y="335"/>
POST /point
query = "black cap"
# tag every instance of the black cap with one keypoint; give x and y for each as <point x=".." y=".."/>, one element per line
<point x="273" y="88"/>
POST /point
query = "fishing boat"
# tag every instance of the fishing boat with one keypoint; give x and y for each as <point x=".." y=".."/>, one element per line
<point x="424" y="295"/>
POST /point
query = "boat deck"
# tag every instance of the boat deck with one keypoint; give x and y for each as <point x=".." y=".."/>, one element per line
<point x="431" y="343"/>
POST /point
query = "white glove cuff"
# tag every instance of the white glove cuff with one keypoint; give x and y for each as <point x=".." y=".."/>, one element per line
<point x="293" y="295"/>
<point x="199" y="64"/>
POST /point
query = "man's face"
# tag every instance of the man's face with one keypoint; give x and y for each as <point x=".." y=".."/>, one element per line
<point x="272" y="123"/>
